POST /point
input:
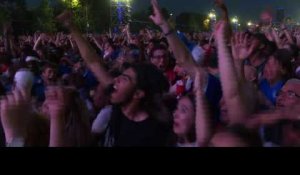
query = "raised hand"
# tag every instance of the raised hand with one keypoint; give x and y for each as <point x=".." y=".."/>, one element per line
<point x="15" y="113"/>
<point x="157" y="16"/>
<point x="200" y="80"/>
<point x="297" y="36"/>
<point x="269" y="36"/>
<point x="56" y="101"/>
<point x="241" y="49"/>
<point x="65" y="18"/>
<point x="220" y="3"/>
<point x="219" y="32"/>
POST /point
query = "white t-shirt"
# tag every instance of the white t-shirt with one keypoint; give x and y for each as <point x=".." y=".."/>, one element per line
<point x="102" y="120"/>
<point x="187" y="145"/>
<point x="298" y="71"/>
<point x="198" y="54"/>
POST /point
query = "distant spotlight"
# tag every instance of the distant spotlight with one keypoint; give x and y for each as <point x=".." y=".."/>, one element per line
<point x="235" y="20"/>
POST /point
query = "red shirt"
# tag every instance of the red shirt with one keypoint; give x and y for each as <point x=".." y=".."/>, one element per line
<point x="3" y="68"/>
<point x="171" y="76"/>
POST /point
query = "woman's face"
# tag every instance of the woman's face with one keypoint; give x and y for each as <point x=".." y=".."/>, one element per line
<point x="184" y="117"/>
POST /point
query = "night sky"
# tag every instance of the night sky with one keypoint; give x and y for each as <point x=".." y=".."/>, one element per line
<point x="245" y="9"/>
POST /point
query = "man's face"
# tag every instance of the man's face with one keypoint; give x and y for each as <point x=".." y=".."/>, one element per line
<point x="78" y="67"/>
<point x="124" y="87"/>
<point x="160" y="59"/>
<point x="49" y="74"/>
<point x="32" y="65"/>
<point x="272" y="71"/>
<point x="288" y="96"/>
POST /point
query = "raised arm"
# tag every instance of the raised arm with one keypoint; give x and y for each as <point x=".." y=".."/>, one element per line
<point x="225" y="17"/>
<point x="229" y="79"/>
<point x="97" y="43"/>
<point x="15" y="115"/>
<point x="222" y="6"/>
<point x="203" y="128"/>
<point x="288" y="35"/>
<point x="56" y="104"/>
<point x="180" y="51"/>
<point x="38" y="42"/>
<point x="89" y="55"/>
<point x="241" y="50"/>
<point x="128" y="34"/>
<point x="7" y="31"/>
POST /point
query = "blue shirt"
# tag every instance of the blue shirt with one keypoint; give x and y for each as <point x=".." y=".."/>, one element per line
<point x="213" y="95"/>
<point x="190" y="45"/>
<point x="90" y="80"/>
<point x="38" y="88"/>
<point x="270" y="91"/>
<point x="64" y="69"/>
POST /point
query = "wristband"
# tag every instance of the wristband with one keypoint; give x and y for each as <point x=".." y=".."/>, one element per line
<point x="169" y="33"/>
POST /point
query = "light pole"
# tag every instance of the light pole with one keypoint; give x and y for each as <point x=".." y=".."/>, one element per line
<point x="120" y="13"/>
<point x="212" y="18"/>
<point x="235" y="22"/>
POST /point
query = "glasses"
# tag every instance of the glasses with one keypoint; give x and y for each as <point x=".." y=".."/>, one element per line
<point x="289" y="94"/>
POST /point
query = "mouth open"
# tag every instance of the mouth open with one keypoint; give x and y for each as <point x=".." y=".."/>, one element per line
<point x="175" y="124"/>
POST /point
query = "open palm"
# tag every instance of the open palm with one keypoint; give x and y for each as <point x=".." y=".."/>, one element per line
<point x="157" y="16"/>
<point x="240" y="46"/>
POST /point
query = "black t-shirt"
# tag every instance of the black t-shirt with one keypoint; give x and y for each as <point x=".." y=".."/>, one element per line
<point x="127" y="133"/>
<point x="2" y="136"/>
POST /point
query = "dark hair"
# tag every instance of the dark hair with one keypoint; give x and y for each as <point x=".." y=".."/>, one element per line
<point x="152" y="81"/>
<point x="270" y="48"/>
<point x="158" y="47"/>
<point x="49" y="65"/>
<point x="213" y="61"/>
<point x="154" y="41"/>
<point x="203" y="42"/>
<point x="172" y="103"/>
<point x="77" y="127"/>
<point x="294" y="50"/>
<point x="192" y="134"/>
<point x="165" y="41"/>
<point x="284" y="57"/>
<point x="261" y="37"/>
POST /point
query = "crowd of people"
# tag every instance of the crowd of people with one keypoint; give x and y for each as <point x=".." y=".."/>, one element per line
<point x="152" y="89"/>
